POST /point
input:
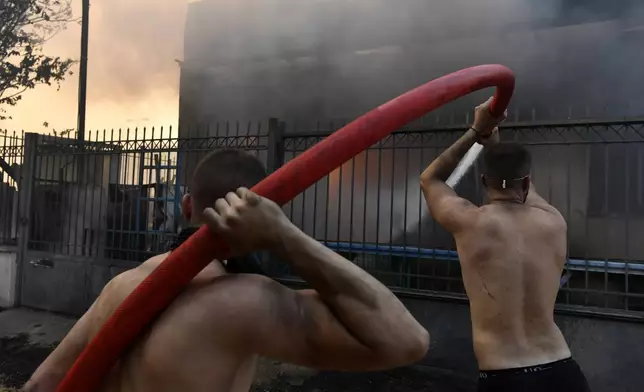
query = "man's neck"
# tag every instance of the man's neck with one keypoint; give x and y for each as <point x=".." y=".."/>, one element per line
<point x="499" y="198"/>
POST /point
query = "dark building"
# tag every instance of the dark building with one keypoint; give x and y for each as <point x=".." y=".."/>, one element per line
<point x="320" y="60"/>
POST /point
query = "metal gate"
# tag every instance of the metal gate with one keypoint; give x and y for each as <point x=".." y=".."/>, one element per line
<point x="91" y="210"/>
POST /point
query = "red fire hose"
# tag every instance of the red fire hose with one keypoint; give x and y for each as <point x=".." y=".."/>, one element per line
<point x="182" y="265"/>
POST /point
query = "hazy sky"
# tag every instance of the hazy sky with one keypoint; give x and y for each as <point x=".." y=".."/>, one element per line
<point x="133" y="78"/>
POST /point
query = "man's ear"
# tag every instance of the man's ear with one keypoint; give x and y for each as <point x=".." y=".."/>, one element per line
<point x="186" y="206"/>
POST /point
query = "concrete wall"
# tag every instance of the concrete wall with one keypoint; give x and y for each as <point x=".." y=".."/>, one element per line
<point x="65" y="284"/>
<point x="7" y="278"/>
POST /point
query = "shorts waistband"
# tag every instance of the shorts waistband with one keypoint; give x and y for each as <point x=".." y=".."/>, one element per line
<point x="483" y="374"/>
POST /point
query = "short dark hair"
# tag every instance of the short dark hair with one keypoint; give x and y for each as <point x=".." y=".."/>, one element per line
<point x="506" y="161"/>
<point x="224" y="171"/>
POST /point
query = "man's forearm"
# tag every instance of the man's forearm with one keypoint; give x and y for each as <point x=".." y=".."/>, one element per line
<point x="443" y="166"/>
<point x="368" y="310"/>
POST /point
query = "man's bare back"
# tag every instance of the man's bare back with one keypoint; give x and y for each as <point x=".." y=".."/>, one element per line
<point x="511" y="260"/>
<point x="512" y="252"/>
<point x="184" y="349"/>
<point x="177" y="353"/>
<point x="208" y="339"/>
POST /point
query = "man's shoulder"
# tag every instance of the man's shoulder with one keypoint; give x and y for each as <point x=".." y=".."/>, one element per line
<point x="241" y="287"/>
<point x="120" y="286"/>
<point x="237" y="302"/>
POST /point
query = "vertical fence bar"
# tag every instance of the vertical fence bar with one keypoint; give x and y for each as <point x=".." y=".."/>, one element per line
<point x="392" y="189"/>
<point x="103" y="161"/>
<point x="379" y="190"/>
<point x="405" y="213"/>
<point x="588" y="164"/>
<point x="627" y="185"/>
<point x="352" y="204"/>
<point x="606" y="214"/>
<point x="26" y="184"/>
<point x="132" y="191"/>
<point x="570" y="153"/>
<point x="75" y="181"/>
<point x="328" y="197"/>
<point x="364" y="202"/>
<point x="45" y="179"/>
<point x="315" y="208"/>
<point x="275" y="158"/>
<point x="421" y="208"/>
<point x="339" y="199"/>
<point x="89" y="174"/>
<point x="435" y="152"/>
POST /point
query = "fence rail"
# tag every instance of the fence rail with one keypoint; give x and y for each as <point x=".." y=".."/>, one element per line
<point x="117" y="197"/>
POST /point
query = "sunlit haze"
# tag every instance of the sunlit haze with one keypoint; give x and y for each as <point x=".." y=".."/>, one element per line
<point x="133" y="78"/>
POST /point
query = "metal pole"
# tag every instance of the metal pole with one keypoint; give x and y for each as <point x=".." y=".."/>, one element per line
<point x="82" y="82"/>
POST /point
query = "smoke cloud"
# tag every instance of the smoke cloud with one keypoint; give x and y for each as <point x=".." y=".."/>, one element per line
<point x="336" y="59"/>
<point x="134" y="45"/>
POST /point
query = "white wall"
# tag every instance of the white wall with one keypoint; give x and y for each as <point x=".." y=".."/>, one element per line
<point x="7" y="278"/>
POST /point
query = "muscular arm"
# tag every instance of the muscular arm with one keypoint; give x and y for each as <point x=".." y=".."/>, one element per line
<point x="448" y="209"/>
<point x="349" y="322"/>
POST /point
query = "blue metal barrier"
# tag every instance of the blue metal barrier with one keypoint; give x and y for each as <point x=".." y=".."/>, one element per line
<point x="608" y="266"/>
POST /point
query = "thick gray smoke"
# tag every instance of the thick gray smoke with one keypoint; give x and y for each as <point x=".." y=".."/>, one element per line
<point x="133" y="45"/>
<point x="303" y="61"/>
<point x="337" y="58"/>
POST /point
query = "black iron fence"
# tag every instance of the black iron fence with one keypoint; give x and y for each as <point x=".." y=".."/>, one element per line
<point x="11" y="157"/>
<point x="372" y="210"/>
<point x="117" y="197"/>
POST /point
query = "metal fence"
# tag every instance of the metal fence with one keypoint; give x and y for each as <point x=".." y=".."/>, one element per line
<point x="117" y="197"/>
<point x="11" y="157"/>
<point x="372" y="210"/>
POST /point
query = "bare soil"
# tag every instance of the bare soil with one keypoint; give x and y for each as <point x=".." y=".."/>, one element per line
<point x="398" y="380"/>
<point x="19" y="359"/>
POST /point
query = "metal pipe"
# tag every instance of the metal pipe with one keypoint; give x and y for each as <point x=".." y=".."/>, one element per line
<point x="464" y="165"/>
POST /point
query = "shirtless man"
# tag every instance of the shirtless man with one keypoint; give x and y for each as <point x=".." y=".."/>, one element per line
<point x="512" y="252"/>
<point x="209" y="338"/>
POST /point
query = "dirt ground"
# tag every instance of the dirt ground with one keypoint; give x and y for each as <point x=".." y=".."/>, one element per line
<point x="399" y="380"/>
<point x="21" y="353"/>
<point x="18" y="360"/>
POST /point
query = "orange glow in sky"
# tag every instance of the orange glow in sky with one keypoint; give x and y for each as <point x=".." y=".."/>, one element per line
<point x="133" y="78"/>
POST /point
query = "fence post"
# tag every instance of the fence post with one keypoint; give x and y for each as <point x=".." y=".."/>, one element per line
<point x="274" y="161"/>
<point x="25" y="191"/>
<point x="275" y="145"/>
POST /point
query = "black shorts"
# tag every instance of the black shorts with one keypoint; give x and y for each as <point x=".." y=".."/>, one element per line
<point x="564" y="375"/>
